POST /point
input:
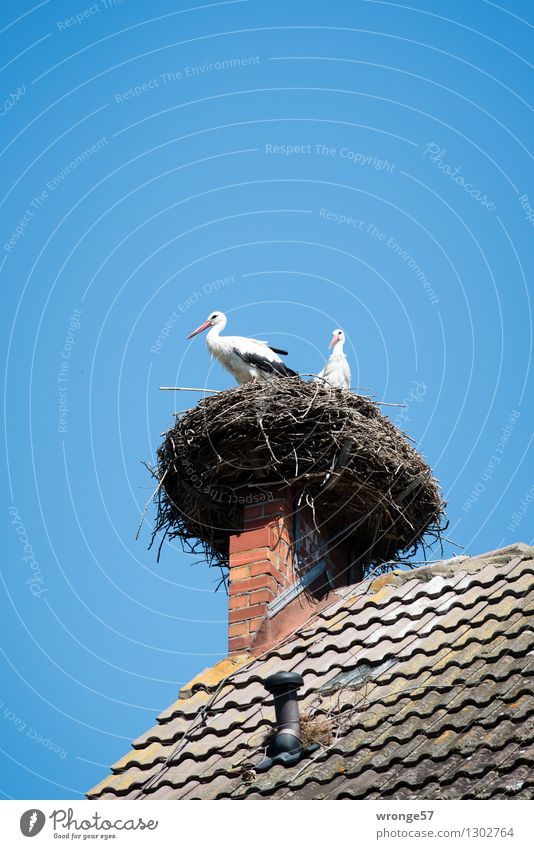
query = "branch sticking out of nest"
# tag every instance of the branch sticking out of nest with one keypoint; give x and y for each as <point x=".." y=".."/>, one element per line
<point x="334" y="448"/>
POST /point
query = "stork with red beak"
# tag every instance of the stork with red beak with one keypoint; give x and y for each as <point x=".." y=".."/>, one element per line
<point x="245" y="359"/>
<point x="336" y="371"/>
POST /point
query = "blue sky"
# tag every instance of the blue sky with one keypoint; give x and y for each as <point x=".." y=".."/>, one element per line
<point x="301" y="167"/>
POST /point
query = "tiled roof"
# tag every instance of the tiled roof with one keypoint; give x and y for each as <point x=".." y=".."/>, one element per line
<point x="427" y="678"/>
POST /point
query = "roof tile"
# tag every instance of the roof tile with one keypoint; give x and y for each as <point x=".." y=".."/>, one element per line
<point x="427" y="677"/>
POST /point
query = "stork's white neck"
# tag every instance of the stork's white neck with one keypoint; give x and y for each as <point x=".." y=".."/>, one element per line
<point x="215" y="331"/>
<point x="216" y="344"/>
<point x="337" y="353"/>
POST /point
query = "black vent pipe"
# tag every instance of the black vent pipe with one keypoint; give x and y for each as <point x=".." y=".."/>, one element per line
<point x="284" y="686"/>
<point x="286" y="747"/>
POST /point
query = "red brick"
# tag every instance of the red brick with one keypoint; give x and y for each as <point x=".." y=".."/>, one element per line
<point x="236" y="601"/>
<point x="238" y="629"/>
<point x="263" y="537"/>
<point x="286" y="535"/>
<point x="264" y="567"/>
<point x="239" y="573"/>
<point x="287" y="572"/>
<point x="249" y="612"/>
<point x="262" y="582"/>
<point x="249" y="540"/>
<point x="241" y="558"/>
<point x="238" y="644"/>
<point x="286" y="551"/>
<point x="262" y="595"/>
<point x="255" y="624"/>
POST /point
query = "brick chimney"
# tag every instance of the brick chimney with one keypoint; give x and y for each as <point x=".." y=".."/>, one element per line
<point x="280" y="570"/>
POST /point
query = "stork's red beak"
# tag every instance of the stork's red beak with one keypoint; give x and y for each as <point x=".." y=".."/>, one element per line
<point x="333" y="341"/>
<point x="202" y="327"/>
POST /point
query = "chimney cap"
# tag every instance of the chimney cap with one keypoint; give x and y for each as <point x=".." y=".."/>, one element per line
<point x="283" y="680"/>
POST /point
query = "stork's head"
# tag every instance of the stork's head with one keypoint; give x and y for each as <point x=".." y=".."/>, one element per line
<point x="213" y="319"/>
<point x="337" y="336"/>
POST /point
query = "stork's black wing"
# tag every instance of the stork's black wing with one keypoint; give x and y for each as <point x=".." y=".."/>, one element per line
<point x="278" y="351"/>
<point x="264" y="364"/>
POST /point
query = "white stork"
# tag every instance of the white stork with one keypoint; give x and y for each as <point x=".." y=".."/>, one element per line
<point x="245" y="359"/>
<point x="336" y="371"/>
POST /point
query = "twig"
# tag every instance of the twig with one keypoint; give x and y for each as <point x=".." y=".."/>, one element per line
<point x="388" y="404"/>
<point x="311" y="503"/>
<point x="416" y="481"/>
<point x="451" y="541"/>
<point x="310" y="405"/>
<point x="323" y="380"/>
<point x="188" y="389"/>
<point x="260" y="422"/>
<point x="148" y="502"/>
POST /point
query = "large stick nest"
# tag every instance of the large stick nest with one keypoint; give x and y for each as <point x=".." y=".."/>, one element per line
<point x="341" y="456"/>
